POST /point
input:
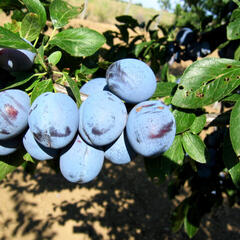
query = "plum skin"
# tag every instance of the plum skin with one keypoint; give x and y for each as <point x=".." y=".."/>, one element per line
<point x="80" y="162"/>
<point x="36" y="150"/>
<point x="120" y="152"/>
<point x="94" y="86"/>
<point x="14" y="108"/>
<point x="151" y="128"/>
<point x="131" y="80"/>
<point x="102" y="118"/>
<point x="53" y="119"/>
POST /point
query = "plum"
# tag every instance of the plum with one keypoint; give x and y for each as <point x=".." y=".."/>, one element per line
<point x="151" y="128"/>
<point x="94" y="85"/>
<point x="36" y="150"/>
<point x="185" y="36"/>
<point x="80" y="162"/>
<point x="14" y="108"/>
<point x="16" y="60"/>
<point x="9" y="146"/>
<point x="120" y="152"/>
<point x="53" y="119"/>
<point x="102" y="118"/>
<point x="131" y="80"/>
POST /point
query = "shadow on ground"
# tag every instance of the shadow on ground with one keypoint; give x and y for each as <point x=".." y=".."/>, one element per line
<point x="124" y="202"/>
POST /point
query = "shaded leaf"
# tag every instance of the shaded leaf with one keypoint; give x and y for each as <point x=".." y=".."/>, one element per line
<point x="164" y="89"/>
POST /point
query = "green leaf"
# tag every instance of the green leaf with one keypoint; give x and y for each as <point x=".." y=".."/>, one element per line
<point x="198" y="124"/>
<point x="233" y="31"/>
<point x="61" y="12"/>
<point x="27" y="157"/>
<point x="42" y="87"/>
<point x="237" y="54"/>
<point x="21" y="79"/>
<point x="30" y="27"/>
<point x="10" y="162"/>
<point x="74" y="88"/>
<point x="178" y="215"/>
<point x="14" y="26"/>
<point x="237" y="2"/>
<point x="235" y="128"/>
<point x="40" y="56"/>
<point x="183" y="120"/>
<point x="231" y="161"/>
<point x="232" y="98"/>
<point x="139" y="47"/>
<point x="36" y="6"/>
<point x="55" y="57"/>
<point x="9" y="39"/>
<point x="207" y="81"/>
<point x="194" y="147"/>
<point x="79" y="42"/>
<point x="175" y="153"/>
<point x="190" y="228"/>
<point x="164" y="89"/>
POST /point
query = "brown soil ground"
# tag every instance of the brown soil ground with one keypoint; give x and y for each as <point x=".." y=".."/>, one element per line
<point x="121" y="203"/>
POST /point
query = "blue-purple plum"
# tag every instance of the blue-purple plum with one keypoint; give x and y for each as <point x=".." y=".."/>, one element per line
<point x="14" y="108"/>
<point x="80" y="162"/>
<point x="151" y="128"/>
<point x="120" y="152"/>
<point x="9" y="146"/>
<point x="102" y="118"/>
<point x="94" y="86"/>
<point x="16" y="60"/>
<point x="53" y="119"/>
<point x="36" y="150"/>
<point x="131" y="80"/>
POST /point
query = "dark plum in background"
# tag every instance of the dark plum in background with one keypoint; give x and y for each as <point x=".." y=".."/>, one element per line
<point x="94" y="86"/>
<point x="16" y="60"/>
<point x="14" y="108"/>
<point x="36" y="150"/>
<point x="53" y="119"/>
<point x="131" y="80"/>
<point x="9" y="146"/>
<point x="102" y="118"/>
<point x="80" y="162"/>
<point x="151" y="128"/>
<point x="120" y="152"/>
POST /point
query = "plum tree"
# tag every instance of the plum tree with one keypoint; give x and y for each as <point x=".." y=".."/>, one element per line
<point x="14" y="108"/>
<point x="94" y="85"/>
<point x="132" y="80"/>
<point x="151" y="128"/>
<point x="53" y="119"/>
<point x="36" y="150"/>
<point x="9" y="146"/>
<point x="102" y="118"/>
<point x="120" y="152"/>
<point x="80" y="162"/>
<point x="16" y="60"/>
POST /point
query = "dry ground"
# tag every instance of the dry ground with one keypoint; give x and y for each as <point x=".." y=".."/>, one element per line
<point x="122" y="203"/>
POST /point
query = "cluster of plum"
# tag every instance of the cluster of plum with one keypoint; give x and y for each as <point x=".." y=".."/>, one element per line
<point x="102" y="128"/>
